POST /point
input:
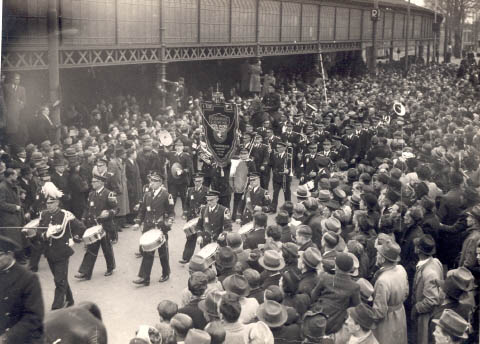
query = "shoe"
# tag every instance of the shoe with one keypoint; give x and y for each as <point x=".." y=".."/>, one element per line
<point x="70" y="303"/>
<point x="142" y="281"/>
<point x="183" y="261"/>
<point x="108" y="273"/>
<point x="127" y="225"/>
<point x="119" y="229"/>
<point x="81" y="276"/>
<point x="164" y="278"/>
<point x="138" y="255"/>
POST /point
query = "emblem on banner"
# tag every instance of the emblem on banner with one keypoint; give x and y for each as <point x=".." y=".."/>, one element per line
<point x="220" y="125"/>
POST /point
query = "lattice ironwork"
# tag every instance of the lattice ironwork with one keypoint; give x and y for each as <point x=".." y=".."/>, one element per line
<point x="24" y="60"/>
<point x="208" y="53"/>
<point x="288" y="49"/>
<point x="340" y="46"/>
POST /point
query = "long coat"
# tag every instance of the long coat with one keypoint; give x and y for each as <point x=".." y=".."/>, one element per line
<point x="9" y="216"/>
<point x="390" y="291"/>
<point x="426" y="295"/>
<point x="254" y="71"/>
<point x="134" y="183"/>
<point x="15" y="100"/>
<point x="117" y="167"/>
<point x="22" y="303"/>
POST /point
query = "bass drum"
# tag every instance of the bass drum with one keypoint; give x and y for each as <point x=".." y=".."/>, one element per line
<point x="238" y="175"/>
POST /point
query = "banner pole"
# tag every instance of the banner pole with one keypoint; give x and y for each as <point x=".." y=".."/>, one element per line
<point x="323" y="78"/>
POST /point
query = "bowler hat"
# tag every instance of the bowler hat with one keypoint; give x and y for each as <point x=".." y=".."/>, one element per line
<point x="312" y="257"/>
<point x="453" y="324"/>
<point x="363" y="315"/>
<point x="226" y="257"/>
<point x="272" y="313"/>
<point x="425" y="244"/>
<point x="344" y="262"/>
<point x="390" y="250"/>
<point x="237" y="284"/>
<point x="272" y="261"/>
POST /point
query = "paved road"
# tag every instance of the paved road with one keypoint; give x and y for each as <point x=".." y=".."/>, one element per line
<point x="125" y="306"/>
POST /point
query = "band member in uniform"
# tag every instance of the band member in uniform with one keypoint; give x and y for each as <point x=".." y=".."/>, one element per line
<point x="281" y="163"/>
<point x="255" y="196"/>
<point x="261" y="157"/>
<point x="63" y="227"/>
<point x="308" y="165"/>
<point x="156" y="211"/>
<point x="101" y="210"/>
<point x="196" y="199"/>
<point x="180" y="172"/>
<point x="214" y="219"/>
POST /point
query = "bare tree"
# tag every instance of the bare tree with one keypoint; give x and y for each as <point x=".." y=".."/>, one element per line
<point x="455" y="13"/>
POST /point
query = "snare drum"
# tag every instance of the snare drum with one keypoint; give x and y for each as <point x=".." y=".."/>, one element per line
<point x="189" y="227"/>
<point x="151" y="240"/>
<point x="30" y="229"/>
<point x="93" y="234"/>
<point x="246" y="228"/>
<point x="208" y="253"/>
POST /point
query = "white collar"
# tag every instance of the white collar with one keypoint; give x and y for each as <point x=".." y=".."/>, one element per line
<point x="422" y="262"/>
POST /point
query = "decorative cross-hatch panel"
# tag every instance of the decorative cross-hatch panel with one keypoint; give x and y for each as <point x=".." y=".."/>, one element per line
<point x="173" y="54"/>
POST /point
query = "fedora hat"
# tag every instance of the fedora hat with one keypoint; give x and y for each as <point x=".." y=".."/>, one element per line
<point x="314" y="325"/>
<point x="425" y="244"/>
<point x="237" y="284"/>
<point x="453" y="324"/>
<point x="312" y="257"/>
<point x="197" y="263"/>
<point x="272" y="261"/>
<point x="210" y="304"/>
<point x="463" y="278"/>
<point x="302" y="192"/>
<point x="226" y="257"/>
<point x="323" y="196"/>
<point x="390" y="250"/>
<point x="272" y="313"/>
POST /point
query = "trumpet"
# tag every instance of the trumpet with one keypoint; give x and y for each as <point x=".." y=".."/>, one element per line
<point x="285" y="167"/>
<point x="290" y="151"/>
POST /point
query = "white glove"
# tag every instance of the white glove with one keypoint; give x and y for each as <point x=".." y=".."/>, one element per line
<point x="136" y="227"/>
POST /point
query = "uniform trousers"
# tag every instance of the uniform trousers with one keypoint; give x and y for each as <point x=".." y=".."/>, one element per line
<point x="189" y="247"/>
<point x="179" y="190"/>
<point x="36" y="251"/>
<point x="63" y="292"/>
<point x="238" y="205"/>
<point x="265" y="178"/>
<point x="148" y="257"/>
<point x="225" y="200"/>
<point x="276" y="190"/>
<point x="91" y="254"/>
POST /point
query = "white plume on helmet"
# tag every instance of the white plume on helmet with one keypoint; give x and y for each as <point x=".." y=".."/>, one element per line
<point x="51" y="191"/>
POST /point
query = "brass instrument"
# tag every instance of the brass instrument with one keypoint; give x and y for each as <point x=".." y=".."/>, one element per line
<point x="289" y="151"/>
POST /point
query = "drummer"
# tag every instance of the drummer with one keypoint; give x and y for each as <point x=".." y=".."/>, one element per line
<point x="196" y="198"/>
<point x="156" y="211"/>
<point x="58" y="238"/>
<point x="100" y="210"/>
<point x="214" y="219"/>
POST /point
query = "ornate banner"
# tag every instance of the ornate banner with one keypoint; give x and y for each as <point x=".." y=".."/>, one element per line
<point x="220" y="122"/>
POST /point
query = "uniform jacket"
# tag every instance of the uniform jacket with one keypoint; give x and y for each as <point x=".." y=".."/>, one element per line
<point x="334" y="294"/>
<point x="278" y="162"/>
<point x="390" y="292"/>
<point x="98" y="201"/>
<point x="117" y="168"/>
<point x="156" y="209"/>
<point x="21" y="306"/>
<point x="259" y="197"/>
<point x="260" y="156"/>
<point x="59" y="249"/>
<point x="426" y="295"/>
<point x="212" y="223"/>
<point x="353" y="144"/>
<point x="194" y="200"/>
<point x="9" y="216"/>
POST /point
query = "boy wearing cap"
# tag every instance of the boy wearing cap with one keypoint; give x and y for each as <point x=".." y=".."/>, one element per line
<point x="195" y="200"/>
<point x="22" y="300"/>
<point x="101" y="209"/>
<point x="156" y="211"/>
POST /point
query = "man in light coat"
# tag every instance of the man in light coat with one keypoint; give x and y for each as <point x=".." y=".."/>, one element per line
<point x="426" y="290"/>
<point x="390" y="291"/>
